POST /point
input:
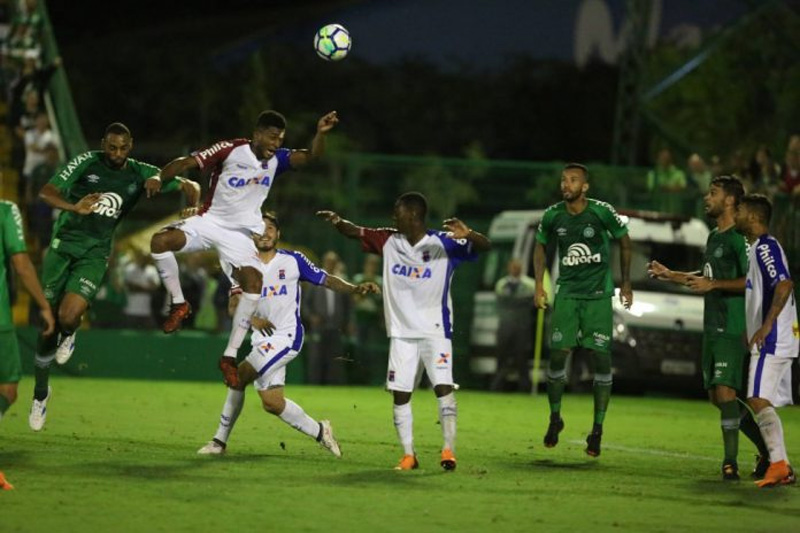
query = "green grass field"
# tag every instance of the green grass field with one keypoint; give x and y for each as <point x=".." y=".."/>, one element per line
<point x="121" y="456"/>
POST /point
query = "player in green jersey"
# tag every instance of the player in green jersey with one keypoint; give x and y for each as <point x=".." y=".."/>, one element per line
<point x="94" y="191"/>
<point x="582" y="313"/>
<point x="722" y="282"/>
<point x="13" y="252"/>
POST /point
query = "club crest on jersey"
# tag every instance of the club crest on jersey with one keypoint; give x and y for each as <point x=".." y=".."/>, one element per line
<point x="588" y="232"/>
<point x="411" y="271"/>
<point x="426" y="256"/>
<point x="237" y="182"/>
<point x="718" y="252"/>
<point x="580" y="254"/>
<point x="109" y="205"/>
<point x="281" y="274"/>
<point x="271" y="290"/>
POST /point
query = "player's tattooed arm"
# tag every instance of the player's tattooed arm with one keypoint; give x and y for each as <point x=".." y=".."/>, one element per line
<point x="783" y="291"/>
<point x="345" y="227"/>
<point x="52" y="197"/>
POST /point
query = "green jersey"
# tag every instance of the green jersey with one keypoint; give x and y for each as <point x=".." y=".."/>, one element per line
<point x="92" y="234"/>
<point x="583" y="247"/>
<point x="725" y="257"/>
<point x="12" y="241"/>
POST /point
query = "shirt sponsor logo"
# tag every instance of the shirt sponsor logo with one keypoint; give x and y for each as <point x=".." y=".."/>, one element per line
<point x="767" y="260"/>
<point x="580" y="254"/>
<point x="237" y="182"/>
<point x="109" y="205"/>
<point x="443" y="359"/>
<point x="411" y="271"/>
<point x="271" y="290"/>
<point x="72" y="165"/>
<point x="208" y="152"/>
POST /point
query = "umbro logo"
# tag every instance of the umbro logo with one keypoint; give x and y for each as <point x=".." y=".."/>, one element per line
<point x="93" y="178"/>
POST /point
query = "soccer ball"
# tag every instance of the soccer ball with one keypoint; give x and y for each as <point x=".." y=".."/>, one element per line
<point x="332" y="42"/>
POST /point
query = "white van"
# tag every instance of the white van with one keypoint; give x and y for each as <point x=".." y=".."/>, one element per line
<point x="657" y="343"/>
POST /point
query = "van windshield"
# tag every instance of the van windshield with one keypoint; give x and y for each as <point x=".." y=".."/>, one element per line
<point x="675" y="256"/>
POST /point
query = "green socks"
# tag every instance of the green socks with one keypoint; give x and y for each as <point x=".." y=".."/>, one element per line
<point x="4" y="405"/>
<point x="729" y="420"/>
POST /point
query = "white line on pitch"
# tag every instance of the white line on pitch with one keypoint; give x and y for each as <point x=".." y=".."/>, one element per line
<point x="642" y="451"/>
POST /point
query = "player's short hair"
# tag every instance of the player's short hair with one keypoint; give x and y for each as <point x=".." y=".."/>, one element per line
<point x="117" y="128"/>
<point x="731" y="186"/>
<point x="570" y="166"/>
<point x="760" y="205"/>
<point x="272" y="217"/>
<point x="270" y="119"/>
<point x="415" y="201"/>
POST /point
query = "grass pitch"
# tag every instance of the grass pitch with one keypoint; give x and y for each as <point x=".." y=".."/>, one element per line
<point x="121" y="456"/>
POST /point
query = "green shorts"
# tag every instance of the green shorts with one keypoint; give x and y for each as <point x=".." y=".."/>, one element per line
<point x="723" y="361"/>
<point x="62" y="273"/>
<point x="586" y="323"/>
<point x="10" y="362"/>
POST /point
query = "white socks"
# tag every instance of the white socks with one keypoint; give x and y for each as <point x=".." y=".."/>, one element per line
<point x="772" y="430"/>
<point x="167" y="267"/>
<point x="241" y="322"/>
<point x="403" y="422"/>
<point x="230" y="412"/>
<point x="294" y="415"/>
<point x="447" y="418"/>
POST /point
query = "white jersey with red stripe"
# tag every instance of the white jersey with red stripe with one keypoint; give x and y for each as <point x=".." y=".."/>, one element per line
<point x="417" y="301"/>
<point x="240" y="182"/>
<point x="768" y="267"/>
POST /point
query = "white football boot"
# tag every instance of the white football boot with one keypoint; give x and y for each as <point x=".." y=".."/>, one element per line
<point x="328" y="441"/>
<point x="65" y="349"/>
<point x="212" y="448"/>
<point x="38" y="413"/>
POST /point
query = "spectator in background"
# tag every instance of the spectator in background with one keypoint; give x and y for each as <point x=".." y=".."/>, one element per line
<point x="790" y="174"/>
<point x="369" y="323"/>
<point x="31" y="77"/>
<point x="715" y="166"/>
<point x="141" y="282"/>
<point x="668" y="179"/>
<point x="40" y="215"/>
<point x="37" y="141"/>
<point x="25" y="33"/>
<point x="328" y="315"/>
<point x="20" y="123"/>
<point x="766" y="172"/>
<point x="699" y="175"/>
<point x="739" y="166"/>
<point x="515" y="305"/>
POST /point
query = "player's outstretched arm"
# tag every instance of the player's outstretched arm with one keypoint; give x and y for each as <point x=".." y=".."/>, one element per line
<point x="172" y="169"/>
<point x="27" y="274"/>
<point x="52" y="197"/>
<point x="345" y="227"/>
<point x="660" y="272"/>
<point x="337" y="284"/>
<point x="458" y="230"/>
<point x="325" y="124"/>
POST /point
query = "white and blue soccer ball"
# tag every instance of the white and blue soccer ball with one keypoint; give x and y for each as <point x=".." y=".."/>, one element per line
<point x="332" y="42"/>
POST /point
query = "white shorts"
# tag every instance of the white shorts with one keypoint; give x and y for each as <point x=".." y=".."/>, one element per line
<point x="771" y="379"/>
<point x="269" y="358"/>
<point x="406" y="355"/>
<point x="235" y="246"/>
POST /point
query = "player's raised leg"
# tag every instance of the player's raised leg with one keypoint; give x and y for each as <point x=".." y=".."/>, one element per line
<point x="163" y="246"/>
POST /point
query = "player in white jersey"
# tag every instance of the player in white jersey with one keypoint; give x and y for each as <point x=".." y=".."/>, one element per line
<point x="242" y="173"/>
<point x="772" y="330"/>
<point x="418" y="266"/>
<point x="277" y="339"/>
